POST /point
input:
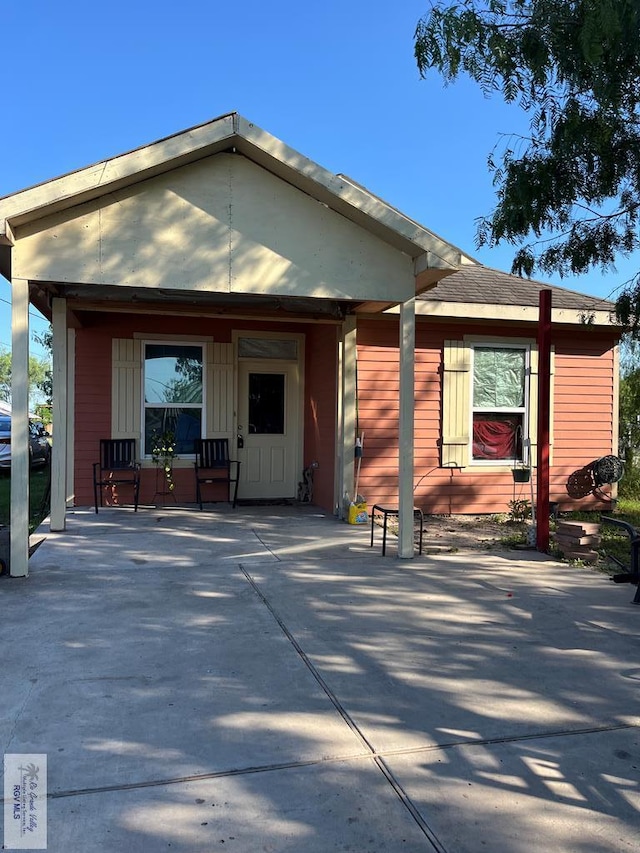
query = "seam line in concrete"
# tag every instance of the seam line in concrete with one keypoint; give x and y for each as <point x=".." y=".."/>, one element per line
<point x="342" y="759"/>
<point x="264" y="545"/>
<point x="384" y="769"/>
<point x="489" y="741"/>
<point x="19" y="714"/>
<point x="201" y="777"/>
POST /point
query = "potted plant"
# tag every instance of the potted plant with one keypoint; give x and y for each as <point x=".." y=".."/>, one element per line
<point x="521" y="473"/>
<point x="163" y="446"/>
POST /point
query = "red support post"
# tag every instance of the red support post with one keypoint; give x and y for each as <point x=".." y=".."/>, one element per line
<point x="544" y="416"/>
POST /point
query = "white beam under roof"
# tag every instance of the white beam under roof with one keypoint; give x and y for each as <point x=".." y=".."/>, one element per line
<point x="229" y="131"/>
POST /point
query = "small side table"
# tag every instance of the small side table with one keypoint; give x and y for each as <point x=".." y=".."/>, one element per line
<point x="385" y="512"/>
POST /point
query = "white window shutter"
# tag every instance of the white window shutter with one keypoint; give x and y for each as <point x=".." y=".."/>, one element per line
<point x="126" y="388"/>
<point x="455" y="404"/>
<point x="220" y="388"/>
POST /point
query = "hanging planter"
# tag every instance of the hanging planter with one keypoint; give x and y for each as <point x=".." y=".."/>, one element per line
<point x="521" y="475"/>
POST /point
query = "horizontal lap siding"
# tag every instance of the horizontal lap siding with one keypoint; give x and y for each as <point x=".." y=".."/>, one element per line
<point x="583" y="411"/>
<point x="582" y="408"/>
<point x="320" y="411"/>
<point x="378" y="392"/>
<point x="93" y="407"/>
<point x="378" y="399"/>
<point x="93" y="394"/>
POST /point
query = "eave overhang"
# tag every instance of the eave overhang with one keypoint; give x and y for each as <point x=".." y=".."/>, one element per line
<point x="433" y="257"/>
<point x="512" y="313"/>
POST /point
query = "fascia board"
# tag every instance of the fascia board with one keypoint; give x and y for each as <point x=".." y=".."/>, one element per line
<point x="7" y="237"/>
<point x="116" y="172"/>
<point x="344" y="197"/>
<point x="151" y="160"/>
<point x="515" y="313"/>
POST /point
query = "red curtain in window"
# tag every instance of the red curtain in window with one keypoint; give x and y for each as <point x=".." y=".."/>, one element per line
<point x="495" y="439"/>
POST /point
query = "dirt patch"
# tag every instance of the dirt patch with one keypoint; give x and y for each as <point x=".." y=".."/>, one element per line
<point x="451" y="533"/>
<point x="476" y="533"/>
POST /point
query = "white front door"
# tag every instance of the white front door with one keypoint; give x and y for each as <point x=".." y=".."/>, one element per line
<point x="269" y="424"/>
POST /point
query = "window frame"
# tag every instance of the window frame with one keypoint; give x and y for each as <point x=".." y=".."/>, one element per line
<point x="524" y="411"/>
<point x="202" y="405"/>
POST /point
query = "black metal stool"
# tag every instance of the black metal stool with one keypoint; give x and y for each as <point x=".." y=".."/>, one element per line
<point x="385" y="512"/>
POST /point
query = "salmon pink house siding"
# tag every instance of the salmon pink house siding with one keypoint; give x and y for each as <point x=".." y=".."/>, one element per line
<point x="583" y="407"/>
<point x="320" y="411"/>
<point x="92" y="406"/>
<point x="217" y="284"/>
<point x="95" y="401"/>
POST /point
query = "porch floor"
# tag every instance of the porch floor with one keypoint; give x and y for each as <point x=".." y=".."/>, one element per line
<point x="261" y="679"/>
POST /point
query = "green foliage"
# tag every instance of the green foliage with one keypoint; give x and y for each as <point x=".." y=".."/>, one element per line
<point x="45" y="412"/>
<point x="39" y="372"/>
<point x="163" y="452"/>
<point x="629" y="420"/>
<point x="573" y="186"/>
<point x="39" y="488"/>
<point x="5" y="376"/>
<point x="514" y="540"/>
<point x="519" y="510"/>
<point x="46" y="384"/>
<point x="629" y="485"/>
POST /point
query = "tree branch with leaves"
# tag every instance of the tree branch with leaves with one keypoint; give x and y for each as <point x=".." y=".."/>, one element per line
<point x="568" y="195"/>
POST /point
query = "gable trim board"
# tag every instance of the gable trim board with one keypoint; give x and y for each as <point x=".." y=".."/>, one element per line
<point x="229" y="132"/>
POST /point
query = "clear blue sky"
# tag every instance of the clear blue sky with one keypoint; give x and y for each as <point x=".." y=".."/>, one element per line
<point x="336" y="80"/>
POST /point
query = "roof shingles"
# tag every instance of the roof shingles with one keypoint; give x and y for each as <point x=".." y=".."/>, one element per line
<point x="480" y="284"/>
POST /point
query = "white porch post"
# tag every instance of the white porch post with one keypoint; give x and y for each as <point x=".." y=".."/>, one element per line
<point x="20" y="428"/>
<point x="406" y="428"/>
<point x="71" y="418"/>
<point x="348" y="427"/>
<point x="59" y="449"/>
<point x="337" y="473"/>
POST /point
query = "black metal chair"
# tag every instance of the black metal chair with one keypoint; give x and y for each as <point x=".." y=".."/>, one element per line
<point x="213" y="465"/>
<point x="117" y="467"/>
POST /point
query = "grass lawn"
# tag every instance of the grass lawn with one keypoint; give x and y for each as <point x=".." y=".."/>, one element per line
<point x="38" y="487"/>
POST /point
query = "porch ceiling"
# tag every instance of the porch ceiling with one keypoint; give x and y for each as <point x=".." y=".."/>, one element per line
<point x="103" y="298"/>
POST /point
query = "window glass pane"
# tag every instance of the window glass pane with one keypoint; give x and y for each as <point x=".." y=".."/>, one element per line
<point x="498" y="378"/>
<point x="184" y="424"/>
<point x="266" y="403"/>
<point x="172" y="374"/>
<point x="497" y="436"/>
<point x="268" y="348"/>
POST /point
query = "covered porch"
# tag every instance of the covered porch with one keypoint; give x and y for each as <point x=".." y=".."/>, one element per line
<point x="218" y="236"/>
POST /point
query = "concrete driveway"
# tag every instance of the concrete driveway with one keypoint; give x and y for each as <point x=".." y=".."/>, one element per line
<point x="261" y="680"/>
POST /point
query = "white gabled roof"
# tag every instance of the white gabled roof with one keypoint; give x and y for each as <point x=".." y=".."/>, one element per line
<point x="227" y="132"/>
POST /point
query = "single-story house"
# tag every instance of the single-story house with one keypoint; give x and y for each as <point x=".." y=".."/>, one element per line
<point x="219" y="284"/>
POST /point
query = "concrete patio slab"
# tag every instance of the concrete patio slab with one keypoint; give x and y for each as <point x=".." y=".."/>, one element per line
<point x="569" y="794"/>
<point x="438" y="644"/>
<point x="321" y="696"/>
<point x="326" y="806"/>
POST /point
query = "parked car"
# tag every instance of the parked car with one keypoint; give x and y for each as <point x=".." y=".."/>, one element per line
<point x="39" y="445"/>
